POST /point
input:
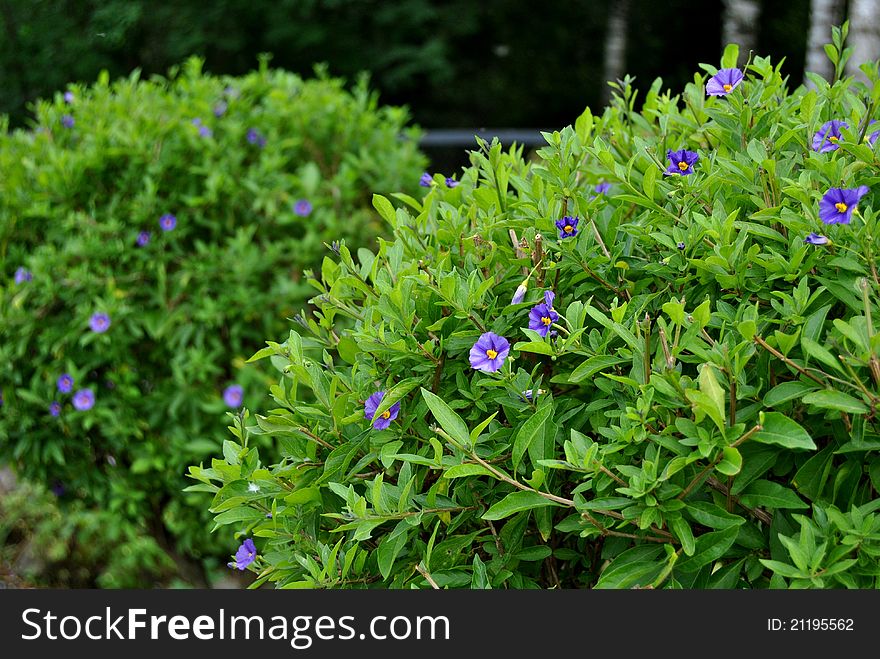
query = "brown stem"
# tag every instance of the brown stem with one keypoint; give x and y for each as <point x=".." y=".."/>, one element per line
<point x="773" y="351"/>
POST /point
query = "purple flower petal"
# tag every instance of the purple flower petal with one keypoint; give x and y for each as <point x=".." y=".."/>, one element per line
<point x="816" y="239"/>
<point x="84" y="399"/>
<point x="65" y="383"/>
<point x="724" y="82"/>
<point x="99" y="322"/>
<point x="567" y="226"/>
<point x="827" y="137"/>
<point x="681" y="162"/>
<point x="489" y="352"/>
<point x="233" y="395"/>
<point x="837" y="205"/>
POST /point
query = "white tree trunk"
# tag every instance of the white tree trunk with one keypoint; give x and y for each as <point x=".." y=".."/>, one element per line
<point x="615" y="45"/>
<point x="864" y="34"/>
<point x="823" y="14"/>
<point x="740" y="25"/>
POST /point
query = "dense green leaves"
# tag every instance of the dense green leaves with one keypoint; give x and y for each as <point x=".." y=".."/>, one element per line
<point x="704" y="385"/>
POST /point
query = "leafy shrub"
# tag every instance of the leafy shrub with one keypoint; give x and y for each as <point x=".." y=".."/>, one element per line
<point x="154" y="233"/>
<point x="696" y="407"/>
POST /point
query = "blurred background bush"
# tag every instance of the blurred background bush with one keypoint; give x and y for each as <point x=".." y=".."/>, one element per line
<point x="153" y="233"/>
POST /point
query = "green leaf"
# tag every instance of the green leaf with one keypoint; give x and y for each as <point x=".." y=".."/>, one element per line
<point x="460" y="471"/>
<point x="715" y="517"/>
<point x="780" y="430"/>
<point x="637" y="566"/>
<point x="782" y="393"/>
<point x="475" y="433"/>
<point x="682" y="530"/>
<point x="709" y="547"/>
<point x="447" y="418"/>
<point x="515" y="502"/>
<point x="593" y="365"/>
<point x="836" y="400"/>
<point x="396" y="393"/>
<point x="820" y="352"/>
<point x="731" y="463"/>
<point x="771" y="495"/>
<point x="528" y="432"/>
<point x="538" y="347"/>
<point x="730" y="56"/>
<point x="709" y="400"/>
<point x="385" y="208"/>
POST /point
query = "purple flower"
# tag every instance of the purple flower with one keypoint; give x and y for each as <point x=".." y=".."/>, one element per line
<point x="58" y="488"/>
<point x="520" y="293"/>
<point x="84" y="399"/>
<point x="204" y="131"/>
<point x="426" y="180"/>
<point x="167" y="222"/>
<point x="680" y="246"/>
<point x="567" y="227"/>
<point x="681" y="162"/>
<point x="489" y="352"/>
<point x="602" y="188"/>
<point x="220" y="108"/>
<point x="99" y="322"/>
<point x="246" y="554"/>
<point x="383" y="420"/>
<point x="67" y="121"/>
<point x="837" y="205"/>
<point x="55" y="408"/>
<point x="871" y="138"/>
<point x="543" y="315"/>
<point x="65" y="383"/>
<point x="22" y="275"/>
<point x="196" y="122"/>
<point x="827" y="137"/>
<point x="529" y="394"/>
<point x="255" y="137"/>
<point x="1" y="398"/>
<point x="68" y="98"/>
<point x="302" y="207"/>
<point x="724" y="82"/>
<point x="143" y="238"/>
<point x="451" y="182"/>
<point x="233" y="395"/>
<point x="816" y="239"/>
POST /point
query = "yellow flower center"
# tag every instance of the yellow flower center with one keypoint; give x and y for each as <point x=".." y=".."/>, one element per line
<point x="491" y="354"/>
<point x="727" y="88"/>
<point x="841" y="207"/>
<point x="683" y="165"/>
<point x="568" y="228"/>
<point x="833" y="139"/>
<point x="386" y="414"/>
<point x="546" y="320"/>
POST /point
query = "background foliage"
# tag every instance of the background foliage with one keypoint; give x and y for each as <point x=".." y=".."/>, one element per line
<point x="455" y="63"/>
<point x="704" y="417"/>
<point x="233" y="160"/>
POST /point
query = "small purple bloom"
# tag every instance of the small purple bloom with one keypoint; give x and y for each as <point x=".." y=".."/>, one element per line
<point x="543" y="315"/>
<point x="65" y="383"/>
<point x="143" y="238"/>
<point x="220" y="108"/>
<point x="167" y="222"/>
<point x="520" y="293"/>
<point x="602" y="188"/>
<point x="99" y="322"/>
<point x="529" y="394"/>
<point x="383" y="420"/>
<point x="724" y="82"/>
<point x="196" y="122"/>
<point x="827" y="137"/>
<point x="871" y="138"/>
<point x="22" y="275"/>
<point x="489" y="352"/>
<point x="67" y="121"/>
<point x="680" y="246"/>
<point x="246" y="554"/>
<point x="816" y="239"/>
<point x="84" y="399"/>
<point x="837" y="205"/>
<point x="204" y="131"/>
<point x="302" y="207"/>
<point x="1" y="398"/>
<point x="567" y="226"/>
<point x="451" y="182"/>
<point x="681" y="162"/>
<point x="255" y="137"/>
<point x="233" y="395"/>
<point x="55" y="408"/>
<point x="426" y="180"/>
<point x="58" y="488"/>
<point x="68" y="98"/>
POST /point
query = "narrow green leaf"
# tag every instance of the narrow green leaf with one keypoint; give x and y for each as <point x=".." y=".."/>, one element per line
<point x="515" y="502"/>
<point x="528" y="432"/>
<point x="448" y="419"/>
<point x="780" y="430"/>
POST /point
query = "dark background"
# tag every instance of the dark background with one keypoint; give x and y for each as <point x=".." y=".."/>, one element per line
<point x="455" y="63"/>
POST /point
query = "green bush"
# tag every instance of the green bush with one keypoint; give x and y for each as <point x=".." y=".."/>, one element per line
<point x="700" y="414"/>
<point x="234" y="186"/>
